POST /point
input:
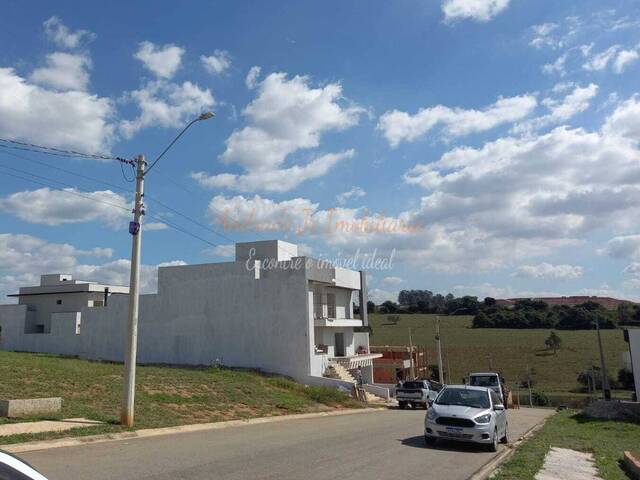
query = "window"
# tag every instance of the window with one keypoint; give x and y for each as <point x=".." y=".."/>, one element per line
<point x="58" y="302"/>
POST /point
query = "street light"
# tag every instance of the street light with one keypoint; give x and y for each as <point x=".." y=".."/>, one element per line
<point x="135" y="229"/>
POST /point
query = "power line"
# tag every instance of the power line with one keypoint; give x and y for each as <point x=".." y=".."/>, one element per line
<point x="59" y="151"/>
<point x="82" y="195"/>
<point x="152" y="198"/>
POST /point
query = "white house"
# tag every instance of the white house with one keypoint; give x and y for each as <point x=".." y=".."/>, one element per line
<point x="269" y="309"/>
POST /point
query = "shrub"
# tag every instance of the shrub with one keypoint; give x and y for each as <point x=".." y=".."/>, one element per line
<point x="540" y="399"/>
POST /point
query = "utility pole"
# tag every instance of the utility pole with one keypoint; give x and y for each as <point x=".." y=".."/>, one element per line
<point x="440" y="368"/>
<point x="606" y="390"/>
<point x="529" y="386"/>
<point x="411" y="362"/>
<point x="135" y="229"/>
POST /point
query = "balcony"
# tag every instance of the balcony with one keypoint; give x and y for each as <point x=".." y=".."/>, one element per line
<point x="337" y="322"/>
<point x="355" y="361"/>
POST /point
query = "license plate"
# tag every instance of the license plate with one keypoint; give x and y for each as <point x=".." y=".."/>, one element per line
<point x="454" y="430"/>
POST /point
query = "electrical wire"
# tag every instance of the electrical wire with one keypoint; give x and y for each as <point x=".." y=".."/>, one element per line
<point x="82" y="195"/>
<point x="59" y="151"/>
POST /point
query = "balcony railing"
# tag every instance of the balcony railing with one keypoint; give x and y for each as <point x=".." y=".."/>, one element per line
<point x="355" y="361"/>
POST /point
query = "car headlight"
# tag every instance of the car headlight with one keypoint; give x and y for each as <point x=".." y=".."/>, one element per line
<point x="431" y="414"/>
<point x="483" y="418"/>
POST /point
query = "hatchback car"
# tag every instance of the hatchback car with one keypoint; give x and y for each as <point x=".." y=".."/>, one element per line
<point x="467" y="414"/>
<point x="12" y="468"/>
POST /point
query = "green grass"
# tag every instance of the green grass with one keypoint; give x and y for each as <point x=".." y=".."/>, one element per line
<point x="165" y="396"/>
<point x="509" y="351"/>
<point x="607" y="440"/>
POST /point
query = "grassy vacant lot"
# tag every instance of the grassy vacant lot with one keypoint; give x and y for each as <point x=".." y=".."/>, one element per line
<point x="510" y="350"/>
<point x="607" y="440"/>
<point x="165" y="396"/>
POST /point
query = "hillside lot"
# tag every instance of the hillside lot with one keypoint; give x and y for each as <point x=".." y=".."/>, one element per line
<point x="165" y="396"/>
<point x="507" y="350"/>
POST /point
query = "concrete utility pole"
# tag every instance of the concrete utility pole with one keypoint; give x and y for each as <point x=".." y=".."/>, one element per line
<point x="440" y="368"/>
<point x="529" y="386"/>
<point x="606" y="390"/>
<point x="135" y="229"/>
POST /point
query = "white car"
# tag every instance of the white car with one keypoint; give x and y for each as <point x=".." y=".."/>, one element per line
<point x="467" y="414"/>
<point x="12" y="468"/>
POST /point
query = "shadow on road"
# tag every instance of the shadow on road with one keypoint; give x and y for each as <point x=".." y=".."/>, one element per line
<point x="418" y="442"/>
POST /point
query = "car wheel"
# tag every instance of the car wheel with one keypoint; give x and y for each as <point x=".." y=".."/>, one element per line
<point x="505" y="438"/>
<point x="493" y="446"/>
<point x="402" y="405"/>
<point x="430" y="441"/>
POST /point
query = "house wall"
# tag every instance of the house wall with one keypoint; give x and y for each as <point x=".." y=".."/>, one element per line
<point x="45" y="305"/>
<point x="201" y="313"/>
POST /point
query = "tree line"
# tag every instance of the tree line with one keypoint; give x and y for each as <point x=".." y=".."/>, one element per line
<point x="526" y="313"/>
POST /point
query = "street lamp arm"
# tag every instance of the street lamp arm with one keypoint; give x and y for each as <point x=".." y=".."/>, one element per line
<point x="204" y="116"/>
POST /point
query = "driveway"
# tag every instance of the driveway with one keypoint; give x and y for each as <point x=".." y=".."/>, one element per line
<point x="387" y="444"/>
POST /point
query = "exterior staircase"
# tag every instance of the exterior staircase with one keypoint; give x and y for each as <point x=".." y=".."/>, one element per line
<point x="335" y="370"/>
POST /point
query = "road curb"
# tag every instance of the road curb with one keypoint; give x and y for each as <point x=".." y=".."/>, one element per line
<point x="489" y="468"/>
<point x="154" y="432"/>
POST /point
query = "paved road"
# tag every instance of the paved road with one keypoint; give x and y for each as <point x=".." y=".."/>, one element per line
<point x="386" y="444"/>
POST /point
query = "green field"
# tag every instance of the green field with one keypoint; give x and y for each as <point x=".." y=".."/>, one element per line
<point x="165" y="395"/>
<point x="466" y="349"/>
<point x="607" y="440"/>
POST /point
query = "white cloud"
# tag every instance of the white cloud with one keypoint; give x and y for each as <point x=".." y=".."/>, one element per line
<point x="251" y="81"/>
<point x="60" y="34"/>
<point x="70" y="119"/>
<point x="560" y="111"/>
<point x="625" y="120"/>
<point x="55" y="207"/>
<point x="63" y="71"/>
<point x="226" y="251"/>
<point x="166" y="104"/>
<point x="624" y="59"/>
<point x="542" y="36"/>
<point x="633" y="268"/>
<point x="23" y="258"/>
<point x="391" y="280"/>
<point x="355" y="192"/>
<point x="161" y="61"/>
<point x="548" y="271"/>
<point x="623" y="247"/>
<point x="286" y="116"/>
<point x="558" y="67"/>
<point x="378" y="295"/>
<point x="217" y="63"/>
<point x="478" y="10"/>
<point x="600" y="60"/>
<point x="398" y="126"/>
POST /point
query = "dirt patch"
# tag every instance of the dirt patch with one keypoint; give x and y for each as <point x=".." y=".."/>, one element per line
<point x="613" y="410"/>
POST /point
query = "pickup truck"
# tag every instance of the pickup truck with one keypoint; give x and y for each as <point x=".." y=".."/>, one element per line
<point x="491" y="380"/>
<point x="416" y="393"/>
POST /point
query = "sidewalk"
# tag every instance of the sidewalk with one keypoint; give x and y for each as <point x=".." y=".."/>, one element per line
<point x="46" y="426"/>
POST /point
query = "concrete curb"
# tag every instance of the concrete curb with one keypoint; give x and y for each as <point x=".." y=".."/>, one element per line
<point x="492" y="465"/>
<point x="154" y="432"/>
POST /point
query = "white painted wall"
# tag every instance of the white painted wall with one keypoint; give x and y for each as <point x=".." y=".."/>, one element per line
<point x="634" y="348"/>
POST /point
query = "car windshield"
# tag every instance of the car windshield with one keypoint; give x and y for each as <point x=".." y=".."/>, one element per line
<point x="464" y="397"/>
<point x="413" y="385"/>
<point x="484" y="381"/>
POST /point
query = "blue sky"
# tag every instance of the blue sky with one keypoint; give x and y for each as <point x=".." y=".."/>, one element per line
<point x="502" y="135"/>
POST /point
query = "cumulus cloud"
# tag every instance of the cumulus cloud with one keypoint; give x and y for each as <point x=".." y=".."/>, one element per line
<point x="69" y="119"/>
<point x="55" y="207"/>
<point x="542" y="36"/>
<point x="217" y="63"/>
<point x="623" y="247"/>
<point x="398" y="126"/>
<point x="227" y="250"/>
<point x="624" y="59"/>
<point x="23" y="258"/>
<point x="478" y="10"/>
<point x="288" y="115"/>
<point x="558" y="67"/>
<point x="548" y="271"/>
<point x="625" y="120"/>
<point x="166" y="104"/>
<point x="63" y="71"/>
<point x="577" y="101"/>
<point x="615" y="56"/>
<point x="355" y="192"/>
<point x="163" y="61"/>
<point x="62" y="36"/>
<point x="251" y="80"/>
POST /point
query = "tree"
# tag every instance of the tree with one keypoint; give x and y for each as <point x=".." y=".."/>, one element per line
<point x="388" y="307"/>
<point x="371" y="307"/>
<point x="553" y="342"/>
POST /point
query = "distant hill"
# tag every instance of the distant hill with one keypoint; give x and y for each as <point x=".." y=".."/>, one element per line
<point x="607" y="302"/>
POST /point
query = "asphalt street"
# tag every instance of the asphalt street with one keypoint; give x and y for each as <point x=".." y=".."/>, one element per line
<point x="387" y="444"/>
